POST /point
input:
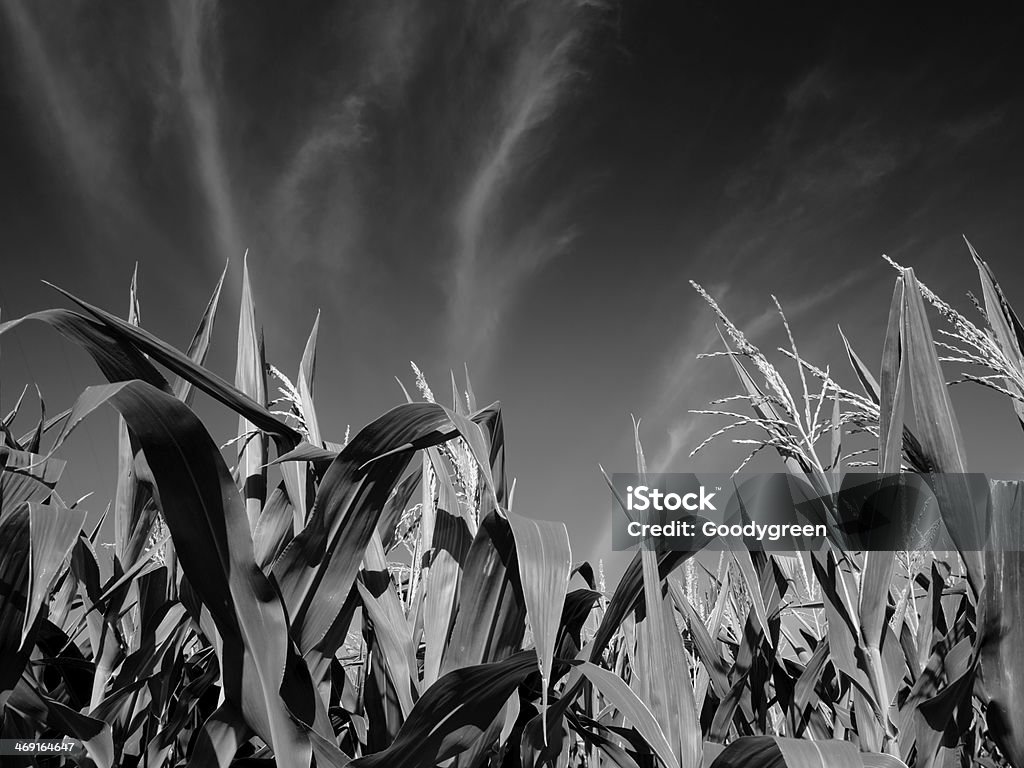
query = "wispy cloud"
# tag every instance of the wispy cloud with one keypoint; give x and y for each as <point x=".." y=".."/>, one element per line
<point x="317" y="204"/>
<point x="489" y="268"/>
<point x="84" y="142"/>
<point x="197" y="49"/>
<point x="75" y="93"/>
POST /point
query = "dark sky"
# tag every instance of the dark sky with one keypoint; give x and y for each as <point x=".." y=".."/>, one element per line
<point x="524" y="187"/>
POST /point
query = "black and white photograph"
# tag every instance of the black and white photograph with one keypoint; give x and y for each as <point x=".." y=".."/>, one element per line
<point x="511" y="384"/>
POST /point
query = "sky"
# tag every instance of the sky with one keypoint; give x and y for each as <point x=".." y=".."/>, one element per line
<point x="525" y="188"/>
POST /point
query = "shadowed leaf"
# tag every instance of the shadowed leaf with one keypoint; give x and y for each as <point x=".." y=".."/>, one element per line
<point x="53" y="529"/>
<point x="207" y="521"/>
<point x="452" y="713"/>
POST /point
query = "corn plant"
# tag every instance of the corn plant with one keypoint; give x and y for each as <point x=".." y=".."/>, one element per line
<point x="917" y="659"/>
<point x="277" y="597"/>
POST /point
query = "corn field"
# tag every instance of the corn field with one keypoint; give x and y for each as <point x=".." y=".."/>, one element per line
<point x="372" y="600"/>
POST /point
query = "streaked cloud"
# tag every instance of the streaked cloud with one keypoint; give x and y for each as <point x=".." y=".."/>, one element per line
<point x="63" y="101"/>
<point x="490" y="267"/>
<point x="317" y="205"/>
<point x="193" y="27"/>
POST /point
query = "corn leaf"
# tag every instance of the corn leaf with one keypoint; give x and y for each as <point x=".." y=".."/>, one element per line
<point x="129" y="340"/>
<point x="892" y="388"/>
<point x="53" y="529"/>
<point x="940" y="430"/>
<point x="384" y="610"/>
<point x="251" y="380"/>
<point x="26" y="477"/>
<point x="96" y="735"/>
<point x="304" y="382"/>
<point x="449" y="545"/>
<point x="116" y="359"/>
<point x="306" y="452"/>
<point x="1005" y="325"/>
<point x="273" y="529"/>
<point x="318" y="567"/>
<point x="207" y="522"/>
<point x="453" y="713"/>
<point x="870" y="385"/>
<point x="879" y="566"/>
<point x="775" y="752"/>
<point x="619" y="695"/>
<point x="200" y="344"/>
<point x="1003" y="629"/>
<point x="491" y="618"/>
<point x="707" y="652"/>
<point x="804" y="692"/>
<point x="14" y="574"/>
<point x="545" y="559"/>
<point x="219" y="739"/>
<point x="470" y="395"/>
<point x="130" y="498"/>
<point x="941" y="441"/>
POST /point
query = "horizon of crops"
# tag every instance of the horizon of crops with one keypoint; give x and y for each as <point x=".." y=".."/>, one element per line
<point x="376" y="599"/>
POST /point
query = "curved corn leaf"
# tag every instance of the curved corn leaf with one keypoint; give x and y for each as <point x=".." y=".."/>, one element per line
<point x="131" y="499"/>
<point x="26" y="477"/>
<point x="207" y="522"/>
<point x="119" y="361"/>
<point x="219" y="739"/>
<point x="804" y="692"/>
<point x="392" y="631"/>
<point x="491" y="618"/>
<point x="707" y="652"/>
<point x="542" y="747"/>
<point x="453" y="713"/>
<point x="776" y="752"/>
<point x="127" y="339"/>
<point x="397" y="506"/>
<point x="449" y="544"/>
<point x="273" y="529"/>
<point x="337" y="520"/>
<point x="319" y="566"/>
<point x="14" y="570"/>
<point x="306" y="452"/>
<point x="96" y="735"/>
<point x="622" y="697"/>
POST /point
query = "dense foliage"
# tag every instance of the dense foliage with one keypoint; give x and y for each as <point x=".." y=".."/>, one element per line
<point x="376" y="601"/>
